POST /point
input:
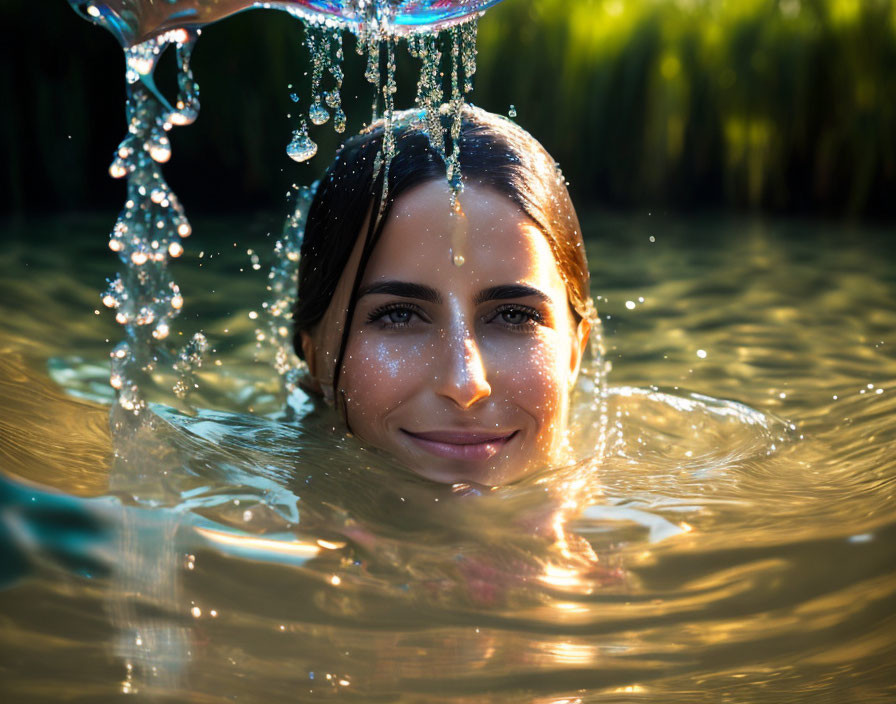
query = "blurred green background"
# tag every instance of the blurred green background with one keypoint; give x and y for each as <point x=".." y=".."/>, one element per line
<point x="771" y="106"/>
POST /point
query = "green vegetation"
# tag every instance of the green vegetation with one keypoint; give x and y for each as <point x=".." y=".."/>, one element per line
<point x="784" y="106"/>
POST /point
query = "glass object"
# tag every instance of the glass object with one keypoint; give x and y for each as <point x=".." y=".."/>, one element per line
<point x="136" y="21"/>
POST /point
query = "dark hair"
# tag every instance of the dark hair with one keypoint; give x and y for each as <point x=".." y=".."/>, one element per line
<point x="494" y="152"/>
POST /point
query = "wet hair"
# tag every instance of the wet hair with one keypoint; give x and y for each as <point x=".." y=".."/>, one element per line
<point x="494" y="152"/>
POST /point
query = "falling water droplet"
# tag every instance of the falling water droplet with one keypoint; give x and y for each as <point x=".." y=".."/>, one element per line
<point x="456" y="108"/>
<point x="512" y="112"/>
<point x="372" y="72"/>
<point x="301" y="148"/>
<point x="458" y="234"/>
<point x="333" y="96"/>
<point x="186" y="106"/>
<point x="118" y="168"/>
<point x="158" y="146"/>
<point x="339" y="120"/>
<point x="388" y="149"/>
<point x="429" y="91"/>
<point x="318" y="114"/>
<point x="468" y="32"/>
<point x="318" y="46"/>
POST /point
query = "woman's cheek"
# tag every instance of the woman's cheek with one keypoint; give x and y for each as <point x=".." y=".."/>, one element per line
<point x="529" y="373"/>
<point x="379" y="373"/>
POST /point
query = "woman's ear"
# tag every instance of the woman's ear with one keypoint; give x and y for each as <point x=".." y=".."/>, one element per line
<point x="579" y="345"/>
<point x="309" y="351"/>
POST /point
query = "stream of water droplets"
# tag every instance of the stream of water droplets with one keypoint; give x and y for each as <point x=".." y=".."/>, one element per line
<point x="146" y="299"/>
<point x="149" y="230"/>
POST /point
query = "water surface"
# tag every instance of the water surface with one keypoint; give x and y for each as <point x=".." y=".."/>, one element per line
<point x="735" y="543"/>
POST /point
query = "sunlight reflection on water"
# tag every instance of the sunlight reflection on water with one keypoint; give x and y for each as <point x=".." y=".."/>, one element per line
<point x="737" y="548"/>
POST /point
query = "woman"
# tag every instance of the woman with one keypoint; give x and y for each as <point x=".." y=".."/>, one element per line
<point x="449" y="337"/>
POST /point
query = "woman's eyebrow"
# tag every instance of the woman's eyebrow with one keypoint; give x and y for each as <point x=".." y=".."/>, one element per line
<point x="510" y="291"/>
<point x="402" y="288"/>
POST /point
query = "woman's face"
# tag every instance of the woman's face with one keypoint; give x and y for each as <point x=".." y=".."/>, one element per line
<point x="462" y="373"/>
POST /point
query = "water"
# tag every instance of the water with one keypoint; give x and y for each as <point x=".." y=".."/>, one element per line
<point x="150" y="228"/>
<point x="735" y="544"/>
<point x="133" y="22"/>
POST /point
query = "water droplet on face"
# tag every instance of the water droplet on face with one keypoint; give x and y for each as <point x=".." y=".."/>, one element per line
<point x="459" y="233"/>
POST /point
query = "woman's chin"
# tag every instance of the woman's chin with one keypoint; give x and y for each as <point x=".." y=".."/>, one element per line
<point x="496" y="471"/>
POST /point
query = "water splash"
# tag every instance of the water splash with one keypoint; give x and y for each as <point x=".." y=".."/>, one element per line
<point x="333" y="97"/>
<point x="318" y="43"/>
<point x="388" y="90"/>
<point x="380" y="48"/>
<point x="150" y="228"/>
<point x="595" y="373"/>
<point x="274" y="338"/>
<point x="456" y="105"/>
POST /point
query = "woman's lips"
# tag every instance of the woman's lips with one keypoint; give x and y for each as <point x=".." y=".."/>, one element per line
<point x="461" y="444"/>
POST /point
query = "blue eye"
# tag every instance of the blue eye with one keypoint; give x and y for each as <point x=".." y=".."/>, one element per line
<point x="393" y="316"/>
<point x="399" y="316"/>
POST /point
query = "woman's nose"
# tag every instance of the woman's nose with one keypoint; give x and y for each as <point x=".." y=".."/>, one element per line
<point x="464" y="377"/>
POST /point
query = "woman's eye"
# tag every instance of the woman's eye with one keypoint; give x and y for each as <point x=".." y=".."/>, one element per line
<point x="398" y="317"/>
<point x="393" y="317"/>
<point x="515" y="317"/>
<point x="518" y="317"/>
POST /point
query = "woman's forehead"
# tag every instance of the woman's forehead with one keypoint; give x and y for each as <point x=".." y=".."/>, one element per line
<point x="498" y="241"/>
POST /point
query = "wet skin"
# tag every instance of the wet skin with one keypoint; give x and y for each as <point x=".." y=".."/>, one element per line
<point x="461" y="373"/>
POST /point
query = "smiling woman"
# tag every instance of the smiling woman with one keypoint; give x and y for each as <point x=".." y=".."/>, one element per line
<point x="449" y="337"/>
